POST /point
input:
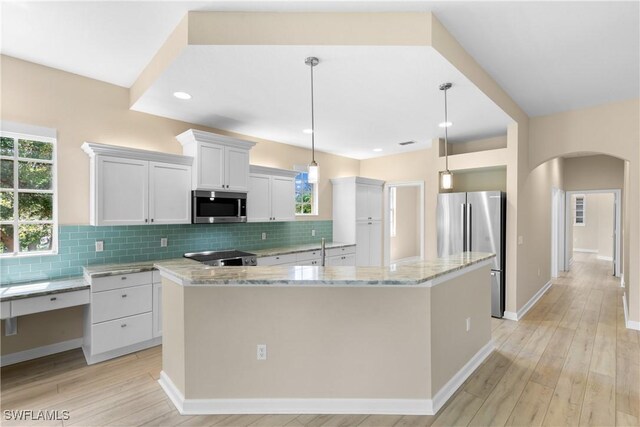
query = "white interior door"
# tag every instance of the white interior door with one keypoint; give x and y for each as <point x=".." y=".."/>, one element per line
<point x="283" y="195"/>
<point x="169" y="193"/>
<point x="121" y="193"/>
<point x="259" y="198"/>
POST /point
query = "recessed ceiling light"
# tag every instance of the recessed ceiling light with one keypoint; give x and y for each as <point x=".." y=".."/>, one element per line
<point x="307" y="131"/>
<point x="445" y="124"/>
<point x="377" y="150"/>
<point x="182" y="95"/>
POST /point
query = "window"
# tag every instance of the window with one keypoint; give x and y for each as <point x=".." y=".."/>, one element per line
<point x="579" y="216"/>
<point x="306" y="193"/>
<point x="28" y="211"/>
<point x="392" y="211"/>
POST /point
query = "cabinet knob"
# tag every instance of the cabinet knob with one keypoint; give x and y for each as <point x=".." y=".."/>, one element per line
<point x="123" y="278"/>
<point x="124" y="295"/>
<point x="146" y="220"/>
<point x="53" y="298"/>
<point x="124" y="325"/>
<point x="151" y="219"/>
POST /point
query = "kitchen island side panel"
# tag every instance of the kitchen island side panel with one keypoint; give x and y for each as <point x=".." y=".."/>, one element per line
<point x="174" y="345"/>
<point x="322" y="342"/>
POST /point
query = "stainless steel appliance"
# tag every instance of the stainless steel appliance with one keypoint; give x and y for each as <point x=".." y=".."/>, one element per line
<point x="224" y="258"/>
<point x="476" y="222"/>
<point x="212" y="207"/>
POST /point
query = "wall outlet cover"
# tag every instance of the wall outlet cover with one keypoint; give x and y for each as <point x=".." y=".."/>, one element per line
<point x="99" y="245"/>
<point x="163" y="242"/>
<point x="264" y="236"/>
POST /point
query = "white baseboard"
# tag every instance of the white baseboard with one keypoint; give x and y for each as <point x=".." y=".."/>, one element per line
<point x="34" y="353"/>
<point x="571" y="261"/>
<point x="441" y="397"/>
<point x="510" y="315"/>
<point x="324" y="406"/>
<point x="604" y="258"/>
<point x="588" y="251"/>
<point x="630" y="324"/>
<point x="622" y="283"/>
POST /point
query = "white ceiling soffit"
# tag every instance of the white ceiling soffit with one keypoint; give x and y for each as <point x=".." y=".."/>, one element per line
<point x="366" y="97"/>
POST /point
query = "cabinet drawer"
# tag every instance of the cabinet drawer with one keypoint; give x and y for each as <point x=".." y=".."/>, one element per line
<point x="277" y="260"/>
<point x="341" y="251"/>
<point x="107" y="283"/>
<point x="5" y="309"/>
<point x="342" y="260"/>
<point x="119" y="333"/>
<point x="24" y="306"/>
<point x="117" y="303"/>
<point x="308" y="256"/>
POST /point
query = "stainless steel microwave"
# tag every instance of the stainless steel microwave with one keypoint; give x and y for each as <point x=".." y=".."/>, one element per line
<point x="213" y="207"/>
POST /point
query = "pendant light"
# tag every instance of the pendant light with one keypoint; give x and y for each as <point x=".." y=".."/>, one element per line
<point x="312" y="61"/>
<point x="446" y="177"/>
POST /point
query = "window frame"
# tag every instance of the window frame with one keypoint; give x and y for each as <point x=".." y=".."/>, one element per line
<point x="31" y="133"/>
<point x="583" y="209"/>
<point x="315" y="204"/>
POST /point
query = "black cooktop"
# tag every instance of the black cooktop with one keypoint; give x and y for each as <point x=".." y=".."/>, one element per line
<point x="216" y="255"/>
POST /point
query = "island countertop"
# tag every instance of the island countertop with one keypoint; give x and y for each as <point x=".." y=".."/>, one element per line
<point x="186" y="273"/>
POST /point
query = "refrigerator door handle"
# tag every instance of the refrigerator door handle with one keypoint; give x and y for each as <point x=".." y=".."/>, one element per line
<point x="469" y="242"/>
<point x="463" y="219"/>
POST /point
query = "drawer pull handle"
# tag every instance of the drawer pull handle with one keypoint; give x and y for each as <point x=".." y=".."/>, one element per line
<point x="124" y="325"/>
<point x="124" y="295"/>
<point x="123" y="278"/>
<point x="53" y="299"/>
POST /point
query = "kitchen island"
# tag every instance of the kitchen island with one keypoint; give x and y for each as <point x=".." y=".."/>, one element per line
<point x="387" y="340"/>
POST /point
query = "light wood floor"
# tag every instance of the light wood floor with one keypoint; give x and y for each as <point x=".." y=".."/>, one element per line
<point x="570" y="361"/>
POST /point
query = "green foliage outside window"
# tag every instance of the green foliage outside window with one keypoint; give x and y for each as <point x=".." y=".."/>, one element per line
<point x="305" y="194"/>
<point x="32" y="191"/>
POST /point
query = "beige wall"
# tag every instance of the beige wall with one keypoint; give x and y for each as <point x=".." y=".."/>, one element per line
<point x="406" y="242"/>
<point x="83" y="109"/>
<point x="610" y="129"/>
<point x="599" y="172"/>
<point x="490" y="179"/>
<point x="596" y="235"/>
<point x="478" y="145"/>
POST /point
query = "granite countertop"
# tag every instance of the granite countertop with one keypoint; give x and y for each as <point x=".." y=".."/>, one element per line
<point x="35" y="289"/>
<point x="414" y="273"/>
<point x="297" y="248"/>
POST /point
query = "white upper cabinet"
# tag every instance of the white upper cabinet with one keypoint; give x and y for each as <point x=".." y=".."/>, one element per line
<point x="368" y="202"/>
<point x="137" y="187"/>
<point x="271" y="195"/>
<point x="220" y="162"/>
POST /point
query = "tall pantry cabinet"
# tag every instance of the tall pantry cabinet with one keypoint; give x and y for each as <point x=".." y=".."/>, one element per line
<point x="357" y="217"/>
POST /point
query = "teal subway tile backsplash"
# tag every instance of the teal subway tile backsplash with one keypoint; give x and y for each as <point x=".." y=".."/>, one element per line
<point x="142" y="243"/>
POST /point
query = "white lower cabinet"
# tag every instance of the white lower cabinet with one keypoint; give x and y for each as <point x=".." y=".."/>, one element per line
<point x="286" y="259"/>
<point x="344" y="256"/>
<point x="369" y="238"/>
<point x="124" y="315"/>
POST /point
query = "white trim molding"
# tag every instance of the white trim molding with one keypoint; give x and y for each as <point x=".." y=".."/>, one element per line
<point x="510" y="315"/>
<point x="587" y="251"/>
<point x="604" y="258"/>
<point x="93" y="150"/>
<point x="622" y="282"/>
<point x="34" y="353"/>
<point x="630" y="324"/>
<point x="324" y="406"/>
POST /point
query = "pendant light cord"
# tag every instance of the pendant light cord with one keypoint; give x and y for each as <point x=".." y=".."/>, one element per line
<point x="313" y="128"/>
<point x="446" y="134"/>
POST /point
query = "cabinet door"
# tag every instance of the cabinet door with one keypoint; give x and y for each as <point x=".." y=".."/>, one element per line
<point x="349" y="259"/>
<point x="374" y="196"/>
<point x="211" y="164"/>
<point x="169" y="193"/>
<point x="237" y="169"/>
<point x="259" y="198"/>
<point x="375" y="243"/>
<point x="157" y="310"/>
<point x="362" y="243"/>
<point x="283" y="198"/>
<point x="362" y="202"/>
<point x="121" y="191"/>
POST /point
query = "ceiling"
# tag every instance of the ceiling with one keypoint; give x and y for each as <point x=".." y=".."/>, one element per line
<point x="549" y="56"/>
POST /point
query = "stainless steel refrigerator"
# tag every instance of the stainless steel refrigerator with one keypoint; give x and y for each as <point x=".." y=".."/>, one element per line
<point x="476" y="222"/>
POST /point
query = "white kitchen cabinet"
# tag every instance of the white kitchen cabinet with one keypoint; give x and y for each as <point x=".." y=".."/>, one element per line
<point x="357" y="217"/>
<point x="137" y="187"/>
<point x="220" y="162"/>
<point x="271" y="195"/>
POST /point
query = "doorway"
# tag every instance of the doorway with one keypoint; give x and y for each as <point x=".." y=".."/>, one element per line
<point x="404" y="222"/>
<point x="592" y="226"/>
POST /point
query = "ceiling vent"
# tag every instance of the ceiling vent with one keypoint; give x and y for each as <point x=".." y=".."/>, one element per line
<point x="407" y="143"/>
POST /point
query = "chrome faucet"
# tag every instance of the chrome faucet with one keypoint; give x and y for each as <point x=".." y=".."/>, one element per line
<point x="322" y="250"/>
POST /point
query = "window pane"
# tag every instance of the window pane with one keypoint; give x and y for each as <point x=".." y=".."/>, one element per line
<point x="6" y="206"/>
<point x="6" y="146"/>
<point x="6" y="239"/>
<point x="34" y="206"/>
<point x="34" y="176"/>
<point x="35" y="149"/>
<point x="6" y="173"/>
<point x="35" y="237"/>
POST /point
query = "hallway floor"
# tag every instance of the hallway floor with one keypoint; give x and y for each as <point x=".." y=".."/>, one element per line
<point x="570" y="361"/>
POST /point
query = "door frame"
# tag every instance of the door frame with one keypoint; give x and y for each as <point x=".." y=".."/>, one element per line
<point x="617" y="201"/>
<point x="387" y="213"/>
<point x="557" y="230"/>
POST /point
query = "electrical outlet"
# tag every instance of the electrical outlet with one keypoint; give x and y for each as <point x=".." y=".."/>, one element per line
<point x="99" y="245"/>
<point x="264" y="236"/>
<point x="163" y="242"/>
<point x="468" y="324"/>
<point x="313" y="233"/>
<point x="261" y="352"/>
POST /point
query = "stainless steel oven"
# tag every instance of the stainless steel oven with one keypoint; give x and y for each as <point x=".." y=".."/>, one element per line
<point x="213" y="207"/>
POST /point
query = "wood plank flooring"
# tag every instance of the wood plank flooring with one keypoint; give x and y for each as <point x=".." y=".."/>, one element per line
<point x="570" y="361"/>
